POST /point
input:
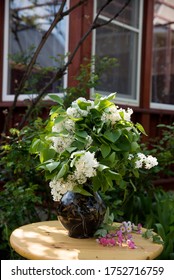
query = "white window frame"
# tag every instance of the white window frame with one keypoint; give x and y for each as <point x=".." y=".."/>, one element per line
<point x="121" y="98"/>
<point x="10" y="97"/>
<point x="160" y="106"/>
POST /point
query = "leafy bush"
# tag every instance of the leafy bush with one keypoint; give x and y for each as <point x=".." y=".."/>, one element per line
<point x="24" y="197"/>
<point x="151" y="205"/>
<point x="163" y="220"/>
<point x="147" y="204"/>
<point x="163" y="148"/>
<point x="155" y="210"/>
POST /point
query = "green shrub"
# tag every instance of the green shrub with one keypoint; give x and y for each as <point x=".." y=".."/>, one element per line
<point x="155" y="210"/>
<point x="163" y="148"/>
<point x="147" y="204"/>
<point x="25" y="196"/>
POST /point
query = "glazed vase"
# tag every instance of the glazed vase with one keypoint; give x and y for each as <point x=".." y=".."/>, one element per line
<point x="81" y="215"/>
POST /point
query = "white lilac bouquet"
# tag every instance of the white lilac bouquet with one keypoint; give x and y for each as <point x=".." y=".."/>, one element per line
<point x="91" y="146"/>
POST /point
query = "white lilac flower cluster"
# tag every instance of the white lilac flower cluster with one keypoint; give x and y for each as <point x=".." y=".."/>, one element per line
<point x="144" y="161"/>
<point x="85" y="167"/>
<point x="63" y="141"/>
<point x="113" y="114"/>
<point x="60" y="187"/>
<point x="76" y="112"/>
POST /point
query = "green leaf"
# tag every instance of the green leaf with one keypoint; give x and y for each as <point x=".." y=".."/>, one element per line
<point x="105" y="150"/>
<point x="59" y="119"/>
<point x="101" y="232"/>
<point x="105" y="185"/>
<point x="107" y="224"/>
<point x="108" y="218"/>
<point x="114" y="147"/>
<point x="148" y="233"/>
<point x="63" y="171"/>
<point x="157" y="239"/>
<point x="109" y="181"/>
<point x="102" y="167"/>
<point x="122" y="184"/>
<point x="114" y="175"/>
<point x="111" y="96"/>
<point x="55" y="111"/>
<point x="52" y="166"/>
<point x="96" y="183"/>
<point x="82" y="134"/>
<point x="49" y="165"/>
<point x="160" y="230"/>
<point x="136" y="173"/>
<point x="36" y="146"/>
<point x="81" y="191"/>
<point x="56" y="98"/>
<point x="134" y="146"/>
<point x="112" y="135"/>
<point x="70" y="149"/>
<point x="112" y="157"/>
<point x="79" y="144"/>
<point x="140" y="128"/>
<point x="124" y="145"/>
<point x="103" y="104"/>
<point x="47" y="154"/>
<point x="83" y="104"/>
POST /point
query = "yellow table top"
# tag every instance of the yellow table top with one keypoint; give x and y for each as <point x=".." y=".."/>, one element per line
<point x="50" y="241"/>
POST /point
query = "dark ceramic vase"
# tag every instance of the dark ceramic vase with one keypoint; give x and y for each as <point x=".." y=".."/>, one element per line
<point x="81" y="215"/>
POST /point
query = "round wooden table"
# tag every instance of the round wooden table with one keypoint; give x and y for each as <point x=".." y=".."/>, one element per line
<point x="49" y="241"/>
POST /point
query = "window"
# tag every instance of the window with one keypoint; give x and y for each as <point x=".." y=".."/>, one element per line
<point x="26" y="21"/>
<point x="120" y="39"/>
<point x="163" y="56"/>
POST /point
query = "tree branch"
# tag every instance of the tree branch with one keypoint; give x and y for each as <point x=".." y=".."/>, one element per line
<point x="111" y="19"/>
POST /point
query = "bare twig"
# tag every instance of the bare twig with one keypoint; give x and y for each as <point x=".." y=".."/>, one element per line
<point x="112" y="18"/>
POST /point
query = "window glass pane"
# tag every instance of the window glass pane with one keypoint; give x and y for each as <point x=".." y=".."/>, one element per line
<point x="130" y="14"/>
<point x="163" y="54"/>
<point x="120" y="39"/>
<point x="28" y="22"/>
<point x="115" y="41"/>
